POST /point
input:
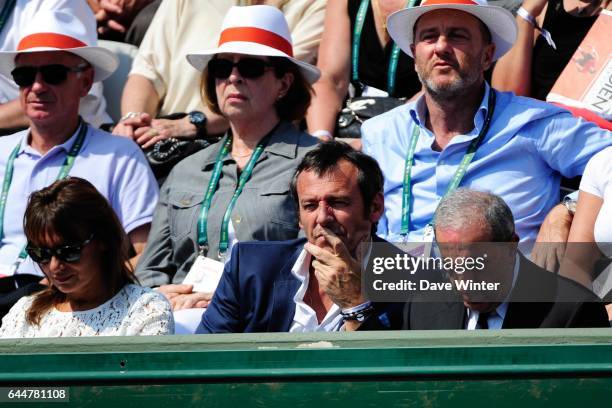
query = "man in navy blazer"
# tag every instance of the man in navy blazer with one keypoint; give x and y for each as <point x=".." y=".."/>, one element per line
<point x="311" y="284"/>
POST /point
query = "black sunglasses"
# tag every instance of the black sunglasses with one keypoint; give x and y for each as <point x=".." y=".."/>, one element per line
<point x="53" y="74"/>
<point x="66" y="253"/>
<point x="249" y="68"/>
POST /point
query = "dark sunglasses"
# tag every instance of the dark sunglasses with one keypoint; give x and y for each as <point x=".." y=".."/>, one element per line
<point x="66" y="253"/>
<point x="249" y="68"/>
<point x="53" y="74"/>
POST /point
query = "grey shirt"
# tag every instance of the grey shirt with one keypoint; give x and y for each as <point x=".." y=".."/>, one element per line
<point x="265" y="211"/>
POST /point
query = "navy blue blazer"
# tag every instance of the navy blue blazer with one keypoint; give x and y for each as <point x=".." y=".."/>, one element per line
<point x="255" y="293"/>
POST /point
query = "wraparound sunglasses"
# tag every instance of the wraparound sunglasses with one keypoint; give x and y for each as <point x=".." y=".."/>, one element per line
<point x="66" y="253"/>
<point x="52" y="74"/>
<point x="249" y="68"/>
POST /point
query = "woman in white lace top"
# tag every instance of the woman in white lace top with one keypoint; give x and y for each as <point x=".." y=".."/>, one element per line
<point x="79" y="244"/>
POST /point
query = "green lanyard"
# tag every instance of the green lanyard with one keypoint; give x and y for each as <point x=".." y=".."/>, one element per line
<point x="395" y="52"/>
<point x="64" y="170"/>
<point x="6" y="12"/>
<point x="465" y="162"/>
<point x="210" y="192"/>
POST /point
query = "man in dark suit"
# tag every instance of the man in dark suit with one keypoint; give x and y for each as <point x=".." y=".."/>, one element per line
<point x="527" y="297"/>
<point x="311" y="284"/>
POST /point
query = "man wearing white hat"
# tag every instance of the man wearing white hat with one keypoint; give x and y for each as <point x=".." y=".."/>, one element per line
<point x="15" y="18"/>
<point x="462" y="132"/>
<point x="54" y="68"/>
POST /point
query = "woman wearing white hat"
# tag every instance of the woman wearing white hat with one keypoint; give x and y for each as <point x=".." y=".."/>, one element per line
<point x="237" y="189"/>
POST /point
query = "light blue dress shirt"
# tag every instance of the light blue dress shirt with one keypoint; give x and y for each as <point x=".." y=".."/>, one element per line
<point x="529" y="145"/>
<point x="115" y="165"/>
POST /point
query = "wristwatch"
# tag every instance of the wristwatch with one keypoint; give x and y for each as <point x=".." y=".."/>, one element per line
<point x="358" y="313"/>
<point x="198" y="119"/>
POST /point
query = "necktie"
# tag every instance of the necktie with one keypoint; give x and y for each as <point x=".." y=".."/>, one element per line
<point x="483" y="321"/>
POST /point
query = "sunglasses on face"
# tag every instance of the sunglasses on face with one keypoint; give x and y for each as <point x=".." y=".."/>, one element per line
<point x="53" y="74"/>
<point x="66" y="253"/>
<point x="249" y="68"/>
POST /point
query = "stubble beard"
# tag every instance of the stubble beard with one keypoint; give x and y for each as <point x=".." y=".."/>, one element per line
<point x="451" y="90"/>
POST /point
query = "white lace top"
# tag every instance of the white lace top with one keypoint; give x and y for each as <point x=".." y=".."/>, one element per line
<point x="134" y="311"/>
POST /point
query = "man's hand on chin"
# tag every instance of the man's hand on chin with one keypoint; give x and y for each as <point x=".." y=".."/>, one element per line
<point x="338" y="273"/>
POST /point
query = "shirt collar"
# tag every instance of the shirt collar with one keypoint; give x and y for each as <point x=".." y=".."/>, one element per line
<point x="283" y="142"/>
<point x="301" y="271"/>
<point x="418" y="110"/>
<point x="25" y="147"/>
<point x="303" y="313"/>
<point x="301" y="267"/>
<point x="502" y="309"/>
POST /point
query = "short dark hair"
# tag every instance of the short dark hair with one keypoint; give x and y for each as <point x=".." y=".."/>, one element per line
<point x="325" y="158"/>
<point x="74" y="210"/>
<point x="291" y="107"/>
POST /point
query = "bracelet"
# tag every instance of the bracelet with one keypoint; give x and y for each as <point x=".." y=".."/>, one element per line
<point x="164" y="148"/>
<point x="359" y="313"/>
<point x="525" y="15"/>
<point x="129" y="115"/>
<point x="322" y="133"/>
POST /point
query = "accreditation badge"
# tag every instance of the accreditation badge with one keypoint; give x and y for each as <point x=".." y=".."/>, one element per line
<point x="428" y="238"/>
<point x="204" y="274"/>
<point x="7" y="270"/>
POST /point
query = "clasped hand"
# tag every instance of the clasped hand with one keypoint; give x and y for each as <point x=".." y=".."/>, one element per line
<point x="146" y="131"/>
<point x="183" y="297"/>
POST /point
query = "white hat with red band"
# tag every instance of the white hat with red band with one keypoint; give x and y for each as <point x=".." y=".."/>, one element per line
<point x="62" y="31"/>
<point x="254" y="30"/>
<point x="499" y="21"/>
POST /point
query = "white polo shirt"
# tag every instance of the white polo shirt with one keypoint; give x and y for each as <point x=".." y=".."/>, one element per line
<point x="115" y="165"/>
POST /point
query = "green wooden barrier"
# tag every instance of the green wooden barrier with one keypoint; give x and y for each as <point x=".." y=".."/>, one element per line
<point x="515" y="368"/>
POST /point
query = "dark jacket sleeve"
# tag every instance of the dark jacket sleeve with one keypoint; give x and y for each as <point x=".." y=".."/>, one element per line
<point x="223" y="312"/>
<point x="386" y="316"/>
<point x="591" y="314"/>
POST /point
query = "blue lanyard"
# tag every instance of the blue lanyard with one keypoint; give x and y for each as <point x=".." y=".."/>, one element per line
<point x="459" y="174"/>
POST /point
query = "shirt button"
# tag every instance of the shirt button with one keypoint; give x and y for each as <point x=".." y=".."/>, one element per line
<point x="185" y="201"/>
<point x="237" y="219"/>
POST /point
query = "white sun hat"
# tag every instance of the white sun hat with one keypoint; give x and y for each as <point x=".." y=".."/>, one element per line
<point x="62" y="31"/>
<point x="254" y="30"/>
<point x="499" y="21"/>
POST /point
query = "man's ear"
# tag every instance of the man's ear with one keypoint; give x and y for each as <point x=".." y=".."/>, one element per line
<point x="377" y="208"/>
<point x="487" y="56"/>
<point x="86" y="81"/>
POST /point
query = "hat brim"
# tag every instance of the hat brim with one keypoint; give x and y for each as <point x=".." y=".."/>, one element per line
<point x="499" y="21"/>
<point x="199" y="60"/>
<point x="104" y="61"/>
